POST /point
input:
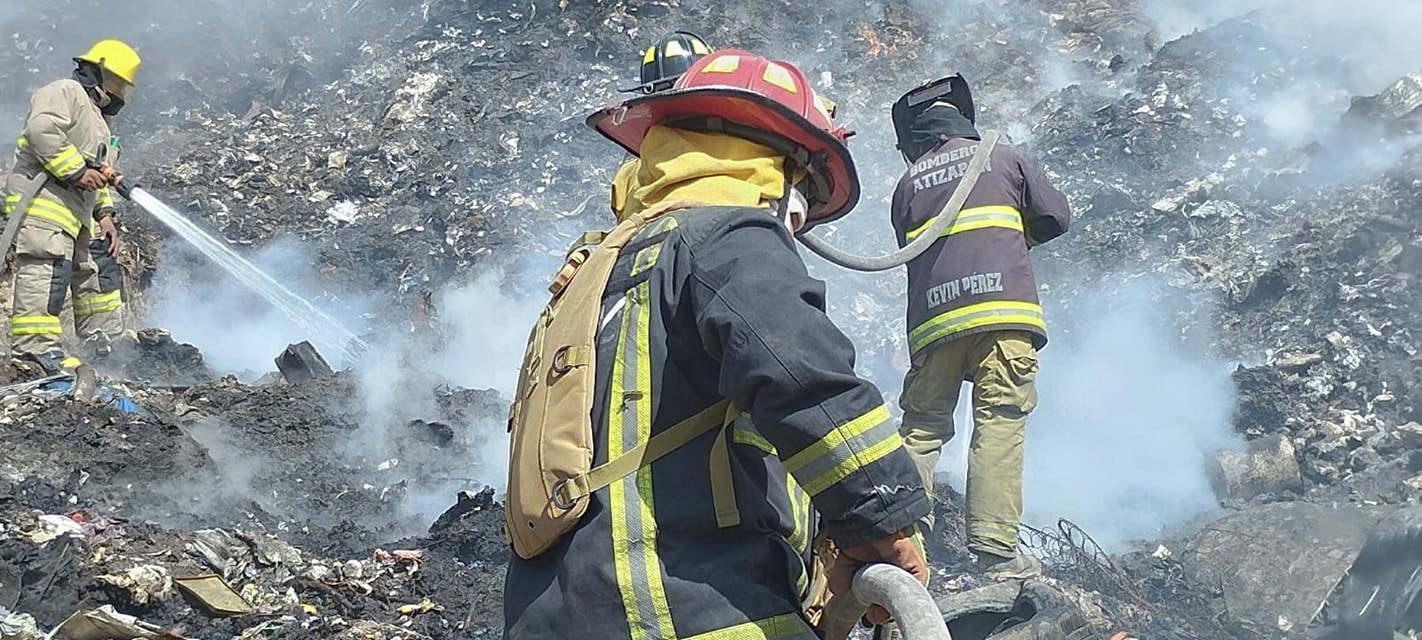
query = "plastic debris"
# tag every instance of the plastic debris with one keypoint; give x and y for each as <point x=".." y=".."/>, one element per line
<point x="18" y="626"/>
<point x="144" y="584"/>
<point x="215" y="594"/>
<point x="105" y="623"/>
<point x="53" y="526"/>
<point x="424" y="606"/>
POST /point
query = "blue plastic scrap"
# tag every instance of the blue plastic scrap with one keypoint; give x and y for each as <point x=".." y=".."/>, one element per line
<point x="121" y="402"/>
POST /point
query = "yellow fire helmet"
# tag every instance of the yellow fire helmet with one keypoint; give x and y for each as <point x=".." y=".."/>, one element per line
<point x="115" y="57"/>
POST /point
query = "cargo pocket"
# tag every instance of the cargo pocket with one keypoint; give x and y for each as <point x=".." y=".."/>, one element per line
<point x="1011" y="380"/>
<point x="43" y="242"/>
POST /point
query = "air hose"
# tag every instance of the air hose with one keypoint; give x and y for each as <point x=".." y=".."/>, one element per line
<point x="913" y="249"/>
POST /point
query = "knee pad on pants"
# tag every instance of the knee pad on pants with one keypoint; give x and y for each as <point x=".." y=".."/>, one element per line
<point x="60" y="276"/>
<point x="109" y="273"/>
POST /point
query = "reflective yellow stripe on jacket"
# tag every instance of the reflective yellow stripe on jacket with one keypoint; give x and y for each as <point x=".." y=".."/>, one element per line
<point x="976" y="315"/>
<point x="105" y="201"/>
<point x="844" y="450"/>
<point x="63" y="165"/>
<point x="782" y="627"/>
<point x="49" y="210"/>
<point x="630" y="501"/>
<point x="972" y="218"/>
<point x="798" y="499"/>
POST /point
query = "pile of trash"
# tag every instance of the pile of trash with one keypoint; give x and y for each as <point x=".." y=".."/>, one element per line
<point x="79" y="572"/>
<point x="410" y="147"/>
<point x="210" y="508"/>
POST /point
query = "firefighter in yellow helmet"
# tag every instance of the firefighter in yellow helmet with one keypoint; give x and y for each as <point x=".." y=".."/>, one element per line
<point x="66" y="239"/>
<point x="662" y="63"/>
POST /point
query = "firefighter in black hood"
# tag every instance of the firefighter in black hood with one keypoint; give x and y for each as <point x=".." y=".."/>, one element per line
<point x="973" y="312"/>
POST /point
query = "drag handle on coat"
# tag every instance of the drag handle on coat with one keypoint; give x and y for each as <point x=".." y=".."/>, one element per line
<point x="924" y="240"/>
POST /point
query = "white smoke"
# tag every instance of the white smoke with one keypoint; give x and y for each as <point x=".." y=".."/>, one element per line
<point x="1311" y="57"/>
<point x="1175" y="18"/>
<point x="1129" y="413"/>
<point x="490" y="327"/>
<point x="475" y="340"/>
<point x="482" y="327"/>
<point x="1367" y="43"/>
<point x="238" y="331"/>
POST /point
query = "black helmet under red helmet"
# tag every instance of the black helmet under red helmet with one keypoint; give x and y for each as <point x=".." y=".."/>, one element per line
<point x="667" y="59"/>
<point x="765" y="101"/>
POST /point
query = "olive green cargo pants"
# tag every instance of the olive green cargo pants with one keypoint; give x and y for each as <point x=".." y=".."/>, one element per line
<point x="1002" y="365"/>
<point x="49" y="266"/>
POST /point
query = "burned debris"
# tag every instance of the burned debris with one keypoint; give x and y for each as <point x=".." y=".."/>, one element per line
<point x="407" y="147"/>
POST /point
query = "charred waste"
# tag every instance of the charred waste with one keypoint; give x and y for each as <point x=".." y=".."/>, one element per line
<point x="1231" y="391"/>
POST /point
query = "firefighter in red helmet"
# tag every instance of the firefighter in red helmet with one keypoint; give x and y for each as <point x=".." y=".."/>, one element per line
<point x="710" y="303"/>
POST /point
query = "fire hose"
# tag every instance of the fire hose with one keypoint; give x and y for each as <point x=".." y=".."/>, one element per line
<point x="112" y="178"/>
<point x="894" y="589"/>
<point x="924" y="240"/>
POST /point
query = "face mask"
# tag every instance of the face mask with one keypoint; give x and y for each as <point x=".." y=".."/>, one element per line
<point x="112" y="106"/>
<point x="119" y="92"/>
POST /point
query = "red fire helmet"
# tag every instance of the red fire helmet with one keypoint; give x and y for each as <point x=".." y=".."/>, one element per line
<point x="765" y="101"/>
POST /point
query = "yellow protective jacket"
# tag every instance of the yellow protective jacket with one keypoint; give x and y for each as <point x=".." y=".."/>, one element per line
<point x="63" y="128"/>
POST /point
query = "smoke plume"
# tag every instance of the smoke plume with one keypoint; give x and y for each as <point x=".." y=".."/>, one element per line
<point x="1129" y="409"/>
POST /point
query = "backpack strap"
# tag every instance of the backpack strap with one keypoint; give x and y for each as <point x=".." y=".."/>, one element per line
<point x="723" y="489"/>
<point x="571" y="489"/>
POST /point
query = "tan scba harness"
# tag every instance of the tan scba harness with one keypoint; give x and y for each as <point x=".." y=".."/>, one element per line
<point x="551" y="476"/>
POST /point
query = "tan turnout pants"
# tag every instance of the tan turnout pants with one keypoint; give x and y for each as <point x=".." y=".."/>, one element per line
<point x="1002" y="365"/>
<point x="49" y="264"/>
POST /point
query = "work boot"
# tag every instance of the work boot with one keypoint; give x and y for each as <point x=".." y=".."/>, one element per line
<point x="1018" y="567"/>
<point x="96" y="345"/>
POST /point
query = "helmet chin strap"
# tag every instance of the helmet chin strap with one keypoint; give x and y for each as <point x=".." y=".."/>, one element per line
<point x="792" y="202"/>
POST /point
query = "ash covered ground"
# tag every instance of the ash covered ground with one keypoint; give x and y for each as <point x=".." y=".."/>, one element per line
<point x="1243" y="269"/>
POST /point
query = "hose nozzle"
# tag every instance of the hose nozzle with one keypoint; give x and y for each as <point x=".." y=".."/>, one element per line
<point x="112" y="177"/>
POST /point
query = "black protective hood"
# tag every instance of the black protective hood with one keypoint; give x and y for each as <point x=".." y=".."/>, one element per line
<point x="934" y="125"/>
<point x="915" y="105"/>
<point x="91" y="76"/>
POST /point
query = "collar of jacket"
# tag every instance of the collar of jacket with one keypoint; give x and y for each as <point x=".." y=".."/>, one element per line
<point x="935" y="125"/>
<point x="708" y="168"/>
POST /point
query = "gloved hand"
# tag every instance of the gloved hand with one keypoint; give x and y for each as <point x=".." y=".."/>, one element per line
<point x="109" y="232"/>
<point x="902" y="549"/>
<point x="90" y="180"/>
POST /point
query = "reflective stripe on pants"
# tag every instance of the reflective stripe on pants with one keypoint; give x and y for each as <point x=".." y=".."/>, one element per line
<point x="49" y="266"/>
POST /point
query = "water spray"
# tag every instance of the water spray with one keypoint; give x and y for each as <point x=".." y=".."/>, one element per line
<point x="324" y="329"/>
